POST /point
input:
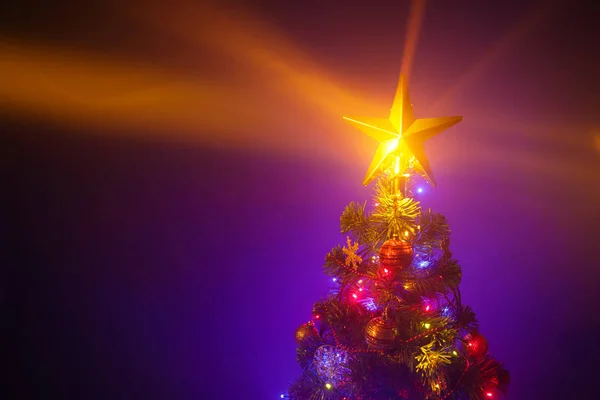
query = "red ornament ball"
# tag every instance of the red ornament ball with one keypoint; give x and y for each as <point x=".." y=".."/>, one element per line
<point x="477" y="345"/>
<point x="395" y="254"/>
<point x="306" y="332"/>
<point x="381" y="333"/>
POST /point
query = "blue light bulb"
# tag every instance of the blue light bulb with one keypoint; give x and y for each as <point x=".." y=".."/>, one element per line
<point x="420" y="190"/>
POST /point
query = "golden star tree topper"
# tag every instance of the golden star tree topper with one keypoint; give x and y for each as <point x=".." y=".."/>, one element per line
<point x="401" y="136"/>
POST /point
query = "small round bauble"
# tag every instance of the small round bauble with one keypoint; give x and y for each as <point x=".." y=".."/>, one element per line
<point x="395" y="254"/>
<point x="306" y="332"/>
<point x="477" y="345"/>
<point x="381" y="333"/>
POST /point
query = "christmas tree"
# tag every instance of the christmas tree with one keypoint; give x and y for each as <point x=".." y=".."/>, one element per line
<point x="394" y="326"/>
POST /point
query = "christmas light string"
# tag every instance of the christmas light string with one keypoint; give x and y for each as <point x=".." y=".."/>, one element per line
<point x="355" y="350"/>
<point x="352" y="350"/>
<point x="426" y="276"/>
<point x="422" y="335"/>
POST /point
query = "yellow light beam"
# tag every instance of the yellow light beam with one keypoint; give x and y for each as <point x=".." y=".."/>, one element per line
<point x="256" y="49"/>
<point x="100" y="94"/>
<point x="369" y="126"/>
<point x="415" y="21"/>
<point x="84" y="88"/>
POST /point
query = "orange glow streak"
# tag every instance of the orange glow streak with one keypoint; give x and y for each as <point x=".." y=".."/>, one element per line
<point x="261" y="54"/>
<point x="97" y="92"/>
<point x="269" y="85"/>
<point x="240" y="35"/>
<point x="415" y="21"/>
<point x="267" y="90"/>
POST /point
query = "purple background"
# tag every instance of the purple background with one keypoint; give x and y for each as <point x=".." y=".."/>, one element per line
<point x="168" y="269"/>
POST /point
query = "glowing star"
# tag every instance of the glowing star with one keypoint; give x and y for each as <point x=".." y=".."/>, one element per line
<point x="352" y="259"/>
<point x="401" y="135"/>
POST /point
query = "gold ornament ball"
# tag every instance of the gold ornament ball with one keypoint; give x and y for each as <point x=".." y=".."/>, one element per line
<point x="306" y="332"/>
<point x="395" y="254"/>
<point x="381" y="333"/>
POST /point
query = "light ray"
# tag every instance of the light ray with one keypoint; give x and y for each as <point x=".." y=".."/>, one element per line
<point x="531" y="20"/>
<point x="415" y="22"/>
